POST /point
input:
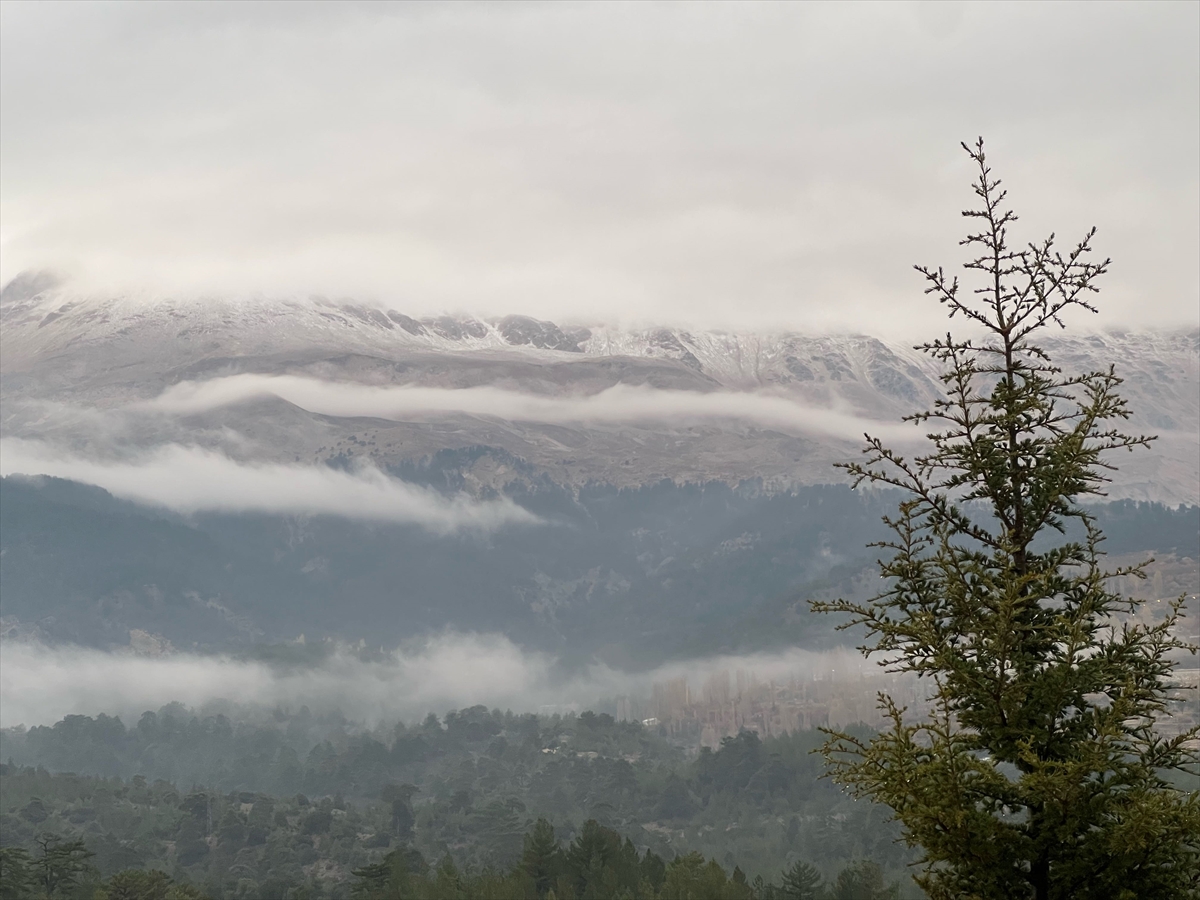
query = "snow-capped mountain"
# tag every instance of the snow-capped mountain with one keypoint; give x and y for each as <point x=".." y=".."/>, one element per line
<point x="64" y="357"/>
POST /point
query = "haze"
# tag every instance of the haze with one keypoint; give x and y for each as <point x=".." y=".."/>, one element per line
<point x="41" y="684"/>
<point x="721" y="165"/>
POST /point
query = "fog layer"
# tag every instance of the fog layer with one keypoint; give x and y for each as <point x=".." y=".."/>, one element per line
<point x="190" y="479"/>
<point x="41" y="684"/>
<point x="621" y="403"/>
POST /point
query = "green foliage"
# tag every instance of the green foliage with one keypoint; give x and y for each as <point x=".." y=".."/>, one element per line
<point x="138" y="884"/>
<point x="400" y="874"/>
<point x="802" y="881"/>
<point x="689" y="877"/>
<point x="597" y="865"/>
<point x="60" y="864"/>
<point x="1039" y="772"/>
<point x="862" y="881"/>
<point x="16" y="873"/>
<point x="61" y="869"/>
<point x="400" y="798"/>
<point x="542" y="859"/>
<point x="475" y="783"/>
<point x="88" y="568"/>
<point x="152" y="822"/>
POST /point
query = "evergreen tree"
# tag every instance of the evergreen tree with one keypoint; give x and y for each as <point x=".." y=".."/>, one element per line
<point x="447" y="881"/>
<point x="590" y="857"/>
<point x="542" y="859"/>
<point x="399" y="796"/>
<point x="862" y="880"/>
<point x="138" y="884"/>
<point x="652" y="870"/>
<point x="391" y="877"/>
<point x="16" y="874"/>
<point x="60" y="864"/>
<point x="802" y="882"/>
<point x="689" y="877"/>
<point x="1039" y="771"/>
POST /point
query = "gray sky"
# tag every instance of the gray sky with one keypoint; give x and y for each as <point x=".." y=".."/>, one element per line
<point x="729" y="165"/>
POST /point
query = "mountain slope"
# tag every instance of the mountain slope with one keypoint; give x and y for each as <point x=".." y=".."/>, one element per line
<point x="64" y="357"/>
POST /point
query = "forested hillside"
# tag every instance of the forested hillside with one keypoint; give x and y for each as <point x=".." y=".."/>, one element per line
<point x="288" y="792"/>
<point x="106" y="839"/>
<point x="631" y="577"/>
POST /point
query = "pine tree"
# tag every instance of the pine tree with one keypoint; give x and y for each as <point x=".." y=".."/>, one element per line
<point x="802" y="882"/>
<point x="16" y="874"/>
<point x="60" y="863"/>
<point x="1039" y="771"/>
<point x="542" y="859"/>
<point x="138" y="884"/>
<point x="862" y="880"/>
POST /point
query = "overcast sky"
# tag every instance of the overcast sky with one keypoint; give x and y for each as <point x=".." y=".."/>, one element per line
<point x="730" y="165"/>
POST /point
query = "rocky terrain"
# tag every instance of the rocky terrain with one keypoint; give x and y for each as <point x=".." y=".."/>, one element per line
<point x="653" y="494"/>
<point x="78" y="371"/>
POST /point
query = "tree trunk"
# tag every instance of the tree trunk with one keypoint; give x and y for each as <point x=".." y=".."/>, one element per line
<point x="1040" y="873"/>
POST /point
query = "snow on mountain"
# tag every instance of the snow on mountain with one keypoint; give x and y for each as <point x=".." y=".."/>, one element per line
<point x="63" y="357"/>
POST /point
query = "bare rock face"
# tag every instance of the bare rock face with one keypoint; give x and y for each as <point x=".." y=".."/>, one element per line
<point x="68" y="360"/>
<point x="673" y="347"/>
<point x="518" y="330"/>
<point x="412" y="326"/>
<point x="453" y="329"/>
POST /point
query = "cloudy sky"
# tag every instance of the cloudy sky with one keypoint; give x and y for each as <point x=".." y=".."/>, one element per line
<point x="730" y="165"/>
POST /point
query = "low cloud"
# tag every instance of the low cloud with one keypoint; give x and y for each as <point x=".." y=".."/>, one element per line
<point x="726" y="165"/>
<point x="41" y="684"/>
<point x="618" y="404"/>
<point x="190" y="479"/>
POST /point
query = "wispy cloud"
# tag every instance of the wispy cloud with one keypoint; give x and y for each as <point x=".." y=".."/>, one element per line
<point x="190" y="479"/>
<point x="621" y="403"/>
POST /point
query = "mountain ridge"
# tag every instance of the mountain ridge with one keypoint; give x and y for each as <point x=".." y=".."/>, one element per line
<point x="60" y="351"/>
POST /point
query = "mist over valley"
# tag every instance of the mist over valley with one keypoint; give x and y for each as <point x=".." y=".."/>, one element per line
<point x="599" y="451"/>
<point x="227" y="476"/>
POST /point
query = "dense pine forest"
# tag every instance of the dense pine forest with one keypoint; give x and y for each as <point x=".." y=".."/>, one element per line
<point x="478" y="804"/>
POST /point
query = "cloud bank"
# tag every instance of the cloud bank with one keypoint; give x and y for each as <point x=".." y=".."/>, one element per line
<point x="40" y="684"/>
<point x="615" y="405"/>
<point x="190" y="479"/>
<point x="715" y="164"/>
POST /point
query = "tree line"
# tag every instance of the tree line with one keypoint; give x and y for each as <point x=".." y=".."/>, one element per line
<point x="475" y="779"/>
<point x="78" y="838"/>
